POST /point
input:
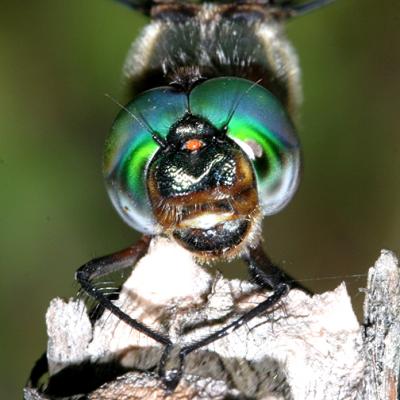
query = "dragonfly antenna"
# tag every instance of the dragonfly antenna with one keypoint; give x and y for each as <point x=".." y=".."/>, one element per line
<point x="238" y="100"/>
<point x="142" y="122"/>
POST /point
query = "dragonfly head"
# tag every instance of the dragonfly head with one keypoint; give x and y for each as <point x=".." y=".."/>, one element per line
<point x="204" y="166"/>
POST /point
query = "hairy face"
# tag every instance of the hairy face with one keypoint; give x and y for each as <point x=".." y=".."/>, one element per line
<point x="203" y="190"/>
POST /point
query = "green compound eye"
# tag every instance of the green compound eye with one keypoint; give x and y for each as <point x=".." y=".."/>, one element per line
<point x="131" y="147"/>
<point x="259" y="124"/>
<point x="252" y="115"/>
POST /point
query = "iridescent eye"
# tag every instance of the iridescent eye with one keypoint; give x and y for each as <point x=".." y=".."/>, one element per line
<point x="259" y="124"/>
<point x="131" y="147"/>
<point x="254" y="119"/>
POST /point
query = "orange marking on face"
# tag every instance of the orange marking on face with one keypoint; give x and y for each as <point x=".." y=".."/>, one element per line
<point x="193" y="144"/>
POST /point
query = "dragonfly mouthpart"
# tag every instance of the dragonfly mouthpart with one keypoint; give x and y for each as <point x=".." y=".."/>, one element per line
<point x="206" y="220"/>
<point x="220" y="240"/>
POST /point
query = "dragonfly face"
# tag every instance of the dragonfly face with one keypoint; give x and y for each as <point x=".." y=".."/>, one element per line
<point x="202" y="189"/>
<point x="204" y="157"/>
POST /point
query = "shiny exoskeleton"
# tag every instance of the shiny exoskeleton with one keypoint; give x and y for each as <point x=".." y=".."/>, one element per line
<point x="211" y="189"/>
<point x="206" y="147"/>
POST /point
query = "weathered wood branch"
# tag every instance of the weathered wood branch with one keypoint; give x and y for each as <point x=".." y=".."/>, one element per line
<point x="306" y="348"/>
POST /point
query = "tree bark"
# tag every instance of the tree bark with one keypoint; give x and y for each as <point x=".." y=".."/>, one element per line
<point x="305" y="348"/>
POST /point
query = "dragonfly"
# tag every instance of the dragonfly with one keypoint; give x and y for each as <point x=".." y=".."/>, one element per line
<point x="206" y="147"/>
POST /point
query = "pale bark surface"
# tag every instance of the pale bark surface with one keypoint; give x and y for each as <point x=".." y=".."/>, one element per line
<point x="381" y="332"/>
<point x="305" y="348"/>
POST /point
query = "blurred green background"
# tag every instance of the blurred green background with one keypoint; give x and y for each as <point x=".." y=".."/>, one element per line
<point x="59" y="58"/>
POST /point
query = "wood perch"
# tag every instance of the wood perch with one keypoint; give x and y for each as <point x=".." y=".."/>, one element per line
<point x="305" y="348"/>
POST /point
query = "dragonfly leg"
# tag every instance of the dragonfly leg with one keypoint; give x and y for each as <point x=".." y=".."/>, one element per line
<point x="266" y="275"/>
<point x="262" y="271"/>
<point x="111" y="263"/>
<point x="302" y="8"/>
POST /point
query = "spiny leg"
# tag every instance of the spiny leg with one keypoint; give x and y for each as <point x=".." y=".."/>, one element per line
<point x="293" y="8"/>
<point x="261" y="270"/>
<point x="144" y="5"/>
<point x="111" y="263"/>
<point x="266" y="275"/>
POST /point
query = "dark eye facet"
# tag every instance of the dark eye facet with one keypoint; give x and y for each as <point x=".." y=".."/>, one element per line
<point x="130" y="148"/>
<point x="257" y="121"/>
